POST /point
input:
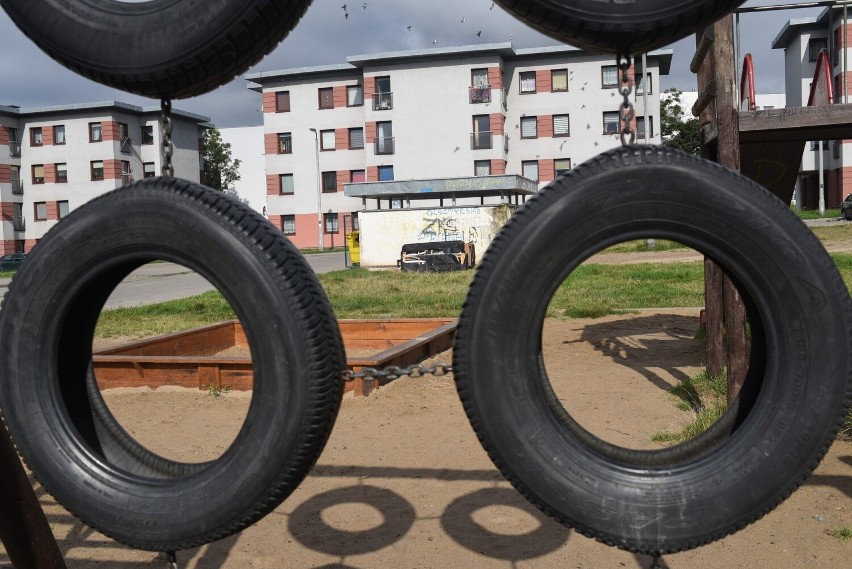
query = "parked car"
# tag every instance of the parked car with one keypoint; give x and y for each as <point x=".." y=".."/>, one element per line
<point x="12" y="262"/>
<point x="846" y="208"/>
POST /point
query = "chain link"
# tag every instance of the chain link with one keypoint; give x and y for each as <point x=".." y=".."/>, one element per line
<point x="393" y="372"/>
<point x="167" y="147"/>
<point x="657" y="562"/>
<point x="172" y="560"/>
<point x="626" y="111"/>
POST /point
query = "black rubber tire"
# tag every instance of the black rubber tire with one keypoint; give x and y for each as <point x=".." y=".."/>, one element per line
<point x="58" y="420"/>
<point x="800" y="374"/>
<point x="162" y="48"/>
<point x="614" y="25"/>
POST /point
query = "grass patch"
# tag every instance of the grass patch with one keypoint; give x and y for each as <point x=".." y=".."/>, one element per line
<point x="814" y="213"/>
<point x="165" y="317"/>
<point x="829" y="234"/>
<point x="844" y="265"/>
<point x="7" y="274"/>
<point x="641" y="246"/>
<point x="217" y="390"/>
<point x="706" y="396"/>
<point x="841" y="532"/>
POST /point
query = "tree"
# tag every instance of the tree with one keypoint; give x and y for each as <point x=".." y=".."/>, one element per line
<point x="221" y="170"/>
<point x="677" y="129"/>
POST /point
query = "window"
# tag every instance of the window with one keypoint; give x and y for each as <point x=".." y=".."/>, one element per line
<point x="95" y="134"/>
<point x="384" y="138"/>
<point x="329" y="182"/>
<point x="481" y="136"/>
<point x="62" y="172"/>
<point x="149" y="170"/>
<point x="640" y="83"/>
<point x="356" y="138"/>
<point x="383" y="84"/>
<point x="59" y="134"/>
<point x="559" y="80"/>
<point x="815" y="45"/>
<point x="609" y="76"/>
<point x="286" y="184"/>
<point x="561" y="165"/>
<point x="63" y="208"/>
<point x="327" y="140"/>
<point x="561" y="125"/>
<point x="35" y="136"/>
<point x="385" y="173"/>
<point x="326" y="98"/>
<point x="38" y="173"/>
<point x="527" y="81"/>
<point x="529" y="127"/>
<point x="285" y="143"/>
<point x="282" y="102"/>
<point x="611" y="122"/>
<point x="479" y="78"/>
<point x="97" y="167"/>
<point x="125" y="172"/>
<point x="288" y="224"/>
<point x="354" y="96"/>
<point x="330" y="222"/>
<point x="40" y="211"/>
<point x="357" y="176"/>
<point x="13" y="134"/>
<point x="640" y="127"/>
<point x="529" y="169"/>
<point x="147" y="135"/>
<point x="383" y="98"/>
<point x="482" y="167"/>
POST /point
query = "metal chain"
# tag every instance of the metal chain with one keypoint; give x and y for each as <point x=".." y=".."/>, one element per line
<point x="626" y="111"/>
<point x="172" y="560"/>
<point x="167" y="147"/>
<point x="394" y="372"/>
<point x="657" y="562"/>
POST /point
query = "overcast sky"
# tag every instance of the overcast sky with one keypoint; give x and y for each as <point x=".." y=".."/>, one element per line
<point x="28" y="78"/>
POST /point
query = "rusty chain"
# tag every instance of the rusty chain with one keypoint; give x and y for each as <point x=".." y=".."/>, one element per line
<point x="167" y="146"/>
<point x="372" y="374"/>
<point x="626" y="111"/>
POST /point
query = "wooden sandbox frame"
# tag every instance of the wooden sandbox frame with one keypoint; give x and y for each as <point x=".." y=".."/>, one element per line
<point x="189" y="358"/>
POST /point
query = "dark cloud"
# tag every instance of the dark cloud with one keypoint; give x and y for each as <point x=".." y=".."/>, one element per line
<point x="325" y="36"/>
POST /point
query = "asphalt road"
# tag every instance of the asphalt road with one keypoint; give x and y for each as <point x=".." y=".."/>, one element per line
<point x="158" y="282"/>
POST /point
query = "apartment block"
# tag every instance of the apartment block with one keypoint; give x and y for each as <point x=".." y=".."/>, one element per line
<point x="826" y="163"/>
<point x="483" y="110"/>
<point x="54" y="159"/>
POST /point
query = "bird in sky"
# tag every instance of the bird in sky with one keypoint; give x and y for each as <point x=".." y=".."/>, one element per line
<point x="364" y="5"/>
<point x="434" y="42"/>
<point x="492" y="6"/>
<point x="408" y="28"/>
<point x="463" y="19"/>
<point x="479" y="33"/>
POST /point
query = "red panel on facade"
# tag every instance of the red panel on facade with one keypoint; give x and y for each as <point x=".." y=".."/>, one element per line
<point x="270" y="143"/>
<point x="52" y="211"/>
<point x="112" y="169"/>
<point x="5" y="173"/>
<point x="543" y="81"/>
<point x="372" y="173"/>
<point x="47" y="135"/>
<point x="546" y="170"/>
<point x="498" y="167"/>
<point x="4" y="135"/>
<point x="49" y="174"/>
<point x="29" y="244"/>
<point x="7" y="210"/>
<point x="497" y="122"/>
<point x="273" y="185"/>
<point x="339" y="95"/>
<point x="110" y="130"/>
<point x="341" y="138"/>
<point x="342" y="178"/>
<point x="369" y="132"/>
<point x="276" y="220"/>
<point x="369" y="90"/>
<point x="495" y="78"/>
<point x="269" y="102"/>
<point x="545" y="126"/>
<point x="7" y="247"/>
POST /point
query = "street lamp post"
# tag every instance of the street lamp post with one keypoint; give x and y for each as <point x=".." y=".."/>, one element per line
<point x="319" y="191"/>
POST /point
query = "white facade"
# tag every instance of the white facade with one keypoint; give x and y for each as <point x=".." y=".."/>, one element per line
<point x="436" y="113"/>
<point x="247" y="147"/>
<point x="53" y="160"/>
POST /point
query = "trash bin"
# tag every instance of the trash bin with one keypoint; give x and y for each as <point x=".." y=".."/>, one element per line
<point x="353" y="243"/>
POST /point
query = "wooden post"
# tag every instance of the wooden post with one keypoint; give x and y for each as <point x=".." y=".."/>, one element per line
<point x="24" y="529"/>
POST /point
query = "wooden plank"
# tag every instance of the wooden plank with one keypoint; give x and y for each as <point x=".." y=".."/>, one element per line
<point x="773" y="165"/>
<point x="198" y="341"/>
<point x="796" y="124"/>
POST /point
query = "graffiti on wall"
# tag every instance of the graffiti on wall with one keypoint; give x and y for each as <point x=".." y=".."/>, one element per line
<point x="468" y="224"/>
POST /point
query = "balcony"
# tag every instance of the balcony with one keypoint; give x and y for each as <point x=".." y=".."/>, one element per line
<point x="19" y="223"/>
<point x="126" y="178"/>
<point x="17" y="188"/>
<point x="480" y="140"/>
<point x="126" y="145"/>
<point x="478" y="95"/>
<point x="382" y="101"/>
<point x="384" y="145"/>
<point x="14" y="149"/>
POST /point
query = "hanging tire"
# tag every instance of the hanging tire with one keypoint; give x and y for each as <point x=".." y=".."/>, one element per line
<point x="160" y="48"/>
<point x="57" y="417"/>
<point x="795" y="395"/>
<point x="612" y="25"/>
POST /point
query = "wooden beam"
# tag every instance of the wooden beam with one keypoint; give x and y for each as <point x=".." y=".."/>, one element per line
<point x="796" y="124"/>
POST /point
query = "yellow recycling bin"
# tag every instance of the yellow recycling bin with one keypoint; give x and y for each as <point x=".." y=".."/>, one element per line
<point x="353" y="242"/>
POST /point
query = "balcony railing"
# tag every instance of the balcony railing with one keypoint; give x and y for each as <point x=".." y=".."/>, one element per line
<point x="14" y="149"/>
<point x="126" y="178"/>
<point x="479" y="95"/>
<point x="19" y="223"/>
<point x="382" y="101"/>
<point x="384" y="145"/>
<point x="126" y="145"/>
<point x="17" y="188"/>
<point x="505" y="143"/>
<point x="480" y="140"/>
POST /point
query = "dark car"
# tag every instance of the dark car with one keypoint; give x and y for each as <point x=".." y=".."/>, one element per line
<point x="846" y="208"/>
<point x="11" y="262"/>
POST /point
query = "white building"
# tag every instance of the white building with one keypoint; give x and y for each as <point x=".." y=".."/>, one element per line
<point x="435" y="114"/>
<point x="54" y="159"/>
<point x="247" y="147"/>
<point x="802" y="40"/>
